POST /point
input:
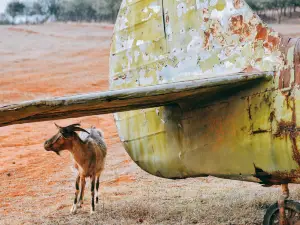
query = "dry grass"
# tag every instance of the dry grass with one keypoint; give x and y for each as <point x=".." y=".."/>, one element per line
<point x="141" y="198"/>
<point x="37" y="187"/>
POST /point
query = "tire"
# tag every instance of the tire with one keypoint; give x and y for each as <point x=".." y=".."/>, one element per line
<point x="292" y="212"/>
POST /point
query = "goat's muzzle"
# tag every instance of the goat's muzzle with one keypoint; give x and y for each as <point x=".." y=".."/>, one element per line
<point x="49" y="147"/>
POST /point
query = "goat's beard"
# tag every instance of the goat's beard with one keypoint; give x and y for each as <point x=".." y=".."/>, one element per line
<point x="57" y="152"/>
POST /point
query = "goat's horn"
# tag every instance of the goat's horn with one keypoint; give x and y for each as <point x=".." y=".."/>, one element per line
<point x="57" y="126"/>
<point x="80" y="129"/>
<point x="74" y="125"/>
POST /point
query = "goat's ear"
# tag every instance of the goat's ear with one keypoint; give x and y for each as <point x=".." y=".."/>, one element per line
<point x="80" y="129"/>
<point x="57" y="126"/>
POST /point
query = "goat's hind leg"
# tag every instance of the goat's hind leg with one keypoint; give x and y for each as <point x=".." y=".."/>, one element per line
<point x="97" y="189"/>
<point x="93" y="179"/>
<point x="74" y="207"/>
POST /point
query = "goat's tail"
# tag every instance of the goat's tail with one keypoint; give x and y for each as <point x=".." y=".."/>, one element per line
<point x="100" y="132"/>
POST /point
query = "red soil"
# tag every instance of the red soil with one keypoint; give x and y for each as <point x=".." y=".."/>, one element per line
<point x="48" y="65"/>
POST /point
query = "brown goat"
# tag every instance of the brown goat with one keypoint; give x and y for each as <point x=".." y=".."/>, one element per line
<point x="88" y="150"/>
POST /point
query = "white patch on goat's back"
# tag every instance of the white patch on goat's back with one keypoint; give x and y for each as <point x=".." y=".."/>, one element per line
<point x="83" y="135"/>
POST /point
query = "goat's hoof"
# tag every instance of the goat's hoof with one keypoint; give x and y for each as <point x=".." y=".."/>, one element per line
<point x="92" y="212"/>
<point x="79" y="205"/>
<point x="97" y="200"/>
<point x="74" y="209"/>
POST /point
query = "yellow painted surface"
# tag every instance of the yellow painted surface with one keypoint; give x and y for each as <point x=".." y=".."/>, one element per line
<point x="158" y="42"/>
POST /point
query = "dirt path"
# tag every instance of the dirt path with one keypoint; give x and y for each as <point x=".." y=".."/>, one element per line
<point x="36" y="187"/>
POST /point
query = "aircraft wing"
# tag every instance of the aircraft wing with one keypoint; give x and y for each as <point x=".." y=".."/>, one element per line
<point x="122" y="100"/>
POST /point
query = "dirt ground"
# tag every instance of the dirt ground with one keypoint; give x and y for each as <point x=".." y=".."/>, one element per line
<point x="37" y="187"/>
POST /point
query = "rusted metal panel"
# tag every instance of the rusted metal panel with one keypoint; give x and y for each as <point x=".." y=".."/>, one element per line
<point x="224" y="135"/>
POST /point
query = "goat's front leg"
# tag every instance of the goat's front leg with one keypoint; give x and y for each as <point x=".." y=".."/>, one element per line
<point x="93" y="179"/>
<point x="74" y="207"/>
<point x="82" y="186"/>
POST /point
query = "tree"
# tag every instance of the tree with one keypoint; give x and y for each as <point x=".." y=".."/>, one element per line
<point x="15" y="8"/>
<point x="83" y="11"/>
<point x="51" y="7"/>
<point x="77" y="10"/>
<point x="36" y="9"/>
<point x="275" y="9"/>
<point x="54" y="7"/>
<point x="254" y="4"/>
<point x="107" y="9"/>
<point x="294" y="4"/>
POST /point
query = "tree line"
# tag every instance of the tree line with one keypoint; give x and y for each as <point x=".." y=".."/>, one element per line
<point x="67" y="10"/>
<point x="274" y="10"/>
<point x="99" y="10"/>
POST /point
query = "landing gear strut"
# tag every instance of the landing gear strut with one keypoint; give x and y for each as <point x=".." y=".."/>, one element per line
<point x="283" y="212"/>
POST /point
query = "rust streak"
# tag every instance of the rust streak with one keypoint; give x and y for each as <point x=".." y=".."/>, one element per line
<point x="292" y="131"/>
<point x="269" y="179"/>
<point x="272" y="42"/>
<point x="262" y="32"/>
<point x="297" y="61"/>
<point x="238" y="4"/>
<point x="206" y="40"/>
<point x="239" y="27"/>
<point x="249" y="108"/>
<point x="284" y="78"/>
<point x="237" y="24"/>
<point x="259" y="131"/>
<point x="272" y="116"/>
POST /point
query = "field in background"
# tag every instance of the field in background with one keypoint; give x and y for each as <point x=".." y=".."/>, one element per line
<point x="37" y="187"/>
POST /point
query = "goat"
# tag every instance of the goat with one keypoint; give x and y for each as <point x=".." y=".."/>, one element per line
<point x="88" y="150"/>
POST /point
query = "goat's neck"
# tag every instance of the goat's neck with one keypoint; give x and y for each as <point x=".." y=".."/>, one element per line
<point x="78" y="151"/>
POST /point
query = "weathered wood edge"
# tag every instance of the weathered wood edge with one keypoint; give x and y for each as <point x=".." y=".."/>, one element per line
<point x="118" y="100"/>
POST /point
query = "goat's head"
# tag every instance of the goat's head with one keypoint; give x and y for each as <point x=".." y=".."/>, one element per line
<point x="63" y="139"/>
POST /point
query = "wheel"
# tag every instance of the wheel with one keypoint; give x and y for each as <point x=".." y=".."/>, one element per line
<point x="292" y="212"/>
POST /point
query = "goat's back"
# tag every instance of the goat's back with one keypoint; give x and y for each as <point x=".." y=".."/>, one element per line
<point x="96" y="135"/>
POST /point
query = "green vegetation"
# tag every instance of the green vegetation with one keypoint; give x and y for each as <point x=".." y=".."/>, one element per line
<point x="67" y="10"/>
<point x="15" y="8"/>
<point x="107" y="10"/>
<point x="274" y="9"/>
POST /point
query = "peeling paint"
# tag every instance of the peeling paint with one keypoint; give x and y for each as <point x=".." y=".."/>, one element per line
<point x="164" y="41"/>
